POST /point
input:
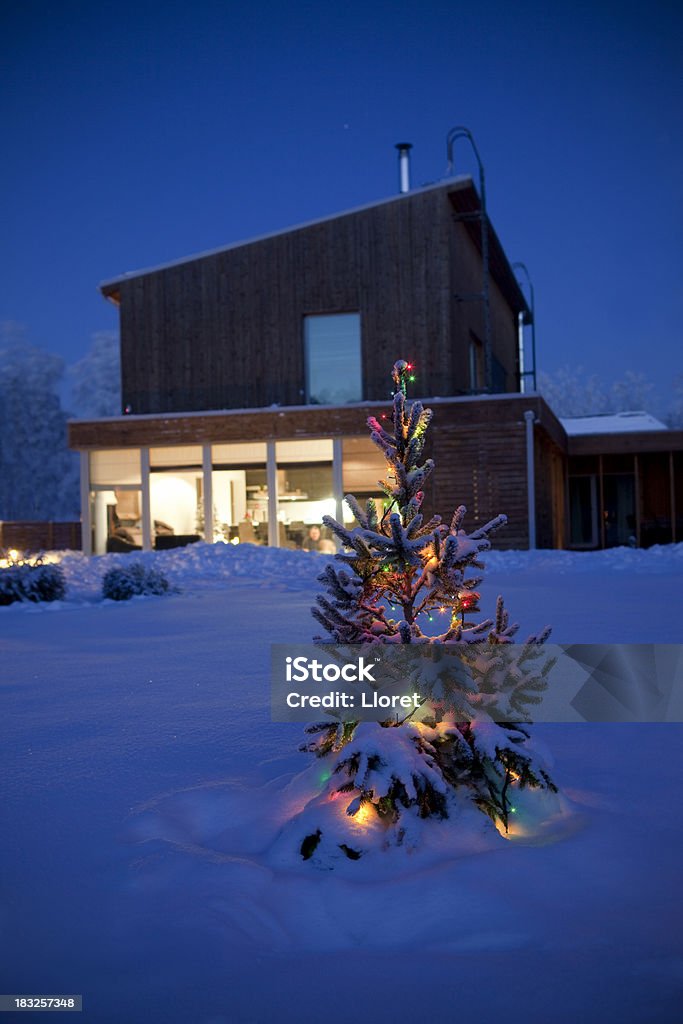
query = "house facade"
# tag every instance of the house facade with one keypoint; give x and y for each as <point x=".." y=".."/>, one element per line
<point x="624" y="481"/>
<point x="316" y="314"/>
<point x="248" y="374"/>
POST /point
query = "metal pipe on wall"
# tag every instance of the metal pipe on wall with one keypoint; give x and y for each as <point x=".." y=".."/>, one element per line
<point x="404" y="149"/>
<point x="530" y="418"/>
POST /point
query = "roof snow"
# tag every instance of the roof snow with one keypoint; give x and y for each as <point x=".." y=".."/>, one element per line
<point x="611" y="423"/>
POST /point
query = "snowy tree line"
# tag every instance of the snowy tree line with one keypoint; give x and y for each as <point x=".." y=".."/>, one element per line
<point x="571" y="391"/>
<point x="39" y="475"/>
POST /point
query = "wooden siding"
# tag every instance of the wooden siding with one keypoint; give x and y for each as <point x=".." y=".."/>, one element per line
<point x="551" y="493"/>
<point x="225" y="331"/>
<point x="467" y="313"/>
<point x="631" y="442"/>
<point x="475" y="470"/>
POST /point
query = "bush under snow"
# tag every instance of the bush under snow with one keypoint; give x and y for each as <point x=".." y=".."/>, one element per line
<point x="32" y="583"/>
<point x="126" y="581"/>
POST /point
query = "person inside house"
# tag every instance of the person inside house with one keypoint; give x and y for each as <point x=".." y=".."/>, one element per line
<point x="316" y="542"/>
<point x="312" y="540"/>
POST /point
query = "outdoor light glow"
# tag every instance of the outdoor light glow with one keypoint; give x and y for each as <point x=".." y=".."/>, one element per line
<point x="365" y="814"/>
<point x="515" y="830"/>
<point x="14" y="557"/>
<point x="468" y="600"/>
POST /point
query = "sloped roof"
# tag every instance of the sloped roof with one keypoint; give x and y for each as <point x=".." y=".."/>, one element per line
<point x="463" y="196"/>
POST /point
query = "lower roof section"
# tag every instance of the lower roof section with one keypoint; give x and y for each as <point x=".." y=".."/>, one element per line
<point x="299" y="422"/>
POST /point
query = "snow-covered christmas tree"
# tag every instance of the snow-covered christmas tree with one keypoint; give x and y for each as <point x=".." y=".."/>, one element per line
<point x="403" y="581"/>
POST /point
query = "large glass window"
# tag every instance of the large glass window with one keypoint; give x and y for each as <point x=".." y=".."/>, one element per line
<point x="333" y="359"/>
<point x="115" y="517"/>
<point x="240" y="492"/>
<point x="583" y="512"/>
<point x="363" y="467"/>
<point x="176" y="495"/>
<point x="115" y="466"/>
<point x="115" y="500"/>
<point x="619" y="512"/>
<point x="305" y="493"/>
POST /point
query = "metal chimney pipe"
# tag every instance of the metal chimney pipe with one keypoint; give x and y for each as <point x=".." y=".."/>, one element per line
<point x="404" y="149"/>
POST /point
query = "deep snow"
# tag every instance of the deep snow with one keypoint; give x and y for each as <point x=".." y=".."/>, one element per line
<point x="144" y="786"/>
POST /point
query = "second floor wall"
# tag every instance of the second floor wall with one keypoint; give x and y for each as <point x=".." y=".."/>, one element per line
<point x="284" y="319"/>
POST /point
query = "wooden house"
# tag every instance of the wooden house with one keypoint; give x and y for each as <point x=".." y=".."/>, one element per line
<point x="248" y="374"/>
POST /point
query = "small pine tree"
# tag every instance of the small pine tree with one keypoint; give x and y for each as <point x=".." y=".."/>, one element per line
<point x="469" y="739"/>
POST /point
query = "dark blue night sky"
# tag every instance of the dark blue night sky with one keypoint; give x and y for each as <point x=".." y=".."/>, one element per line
<point x="137" y="133"/>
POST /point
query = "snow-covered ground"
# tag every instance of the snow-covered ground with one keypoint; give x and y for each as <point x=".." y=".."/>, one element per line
<point x="144" y="787"/>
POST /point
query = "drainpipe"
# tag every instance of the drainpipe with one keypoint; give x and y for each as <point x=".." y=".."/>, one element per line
<point x="529" y="418"/>
<point x="520" y="351"/>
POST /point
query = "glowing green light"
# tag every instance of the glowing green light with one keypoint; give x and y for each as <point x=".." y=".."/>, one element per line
<point x="325" y="776"/>
<point x="513" y="810"/>
<point x="412" y="378"/>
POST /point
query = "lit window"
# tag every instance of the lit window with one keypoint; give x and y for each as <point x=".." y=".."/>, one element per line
<point x="333" y="361"/>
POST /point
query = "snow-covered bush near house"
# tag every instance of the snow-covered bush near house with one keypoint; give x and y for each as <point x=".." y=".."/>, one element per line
<point x="31" y="583"/>
<point x="122" y="582"/>
<point x="147" y="795"/>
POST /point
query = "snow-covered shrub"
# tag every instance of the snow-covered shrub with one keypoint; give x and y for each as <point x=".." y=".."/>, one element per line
<point x="31" y="583"/>
<point x="124" y="582"/>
